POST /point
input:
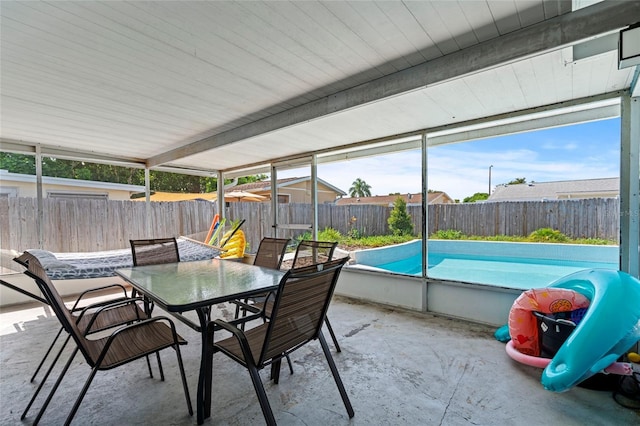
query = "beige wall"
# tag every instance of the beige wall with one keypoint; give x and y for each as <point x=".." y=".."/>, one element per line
<point x="301" y="193"/>
<point x="26" y="189"/>
<point x="18" y="185"/>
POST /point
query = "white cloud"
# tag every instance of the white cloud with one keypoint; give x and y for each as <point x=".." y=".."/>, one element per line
<point x="560" y="145"/>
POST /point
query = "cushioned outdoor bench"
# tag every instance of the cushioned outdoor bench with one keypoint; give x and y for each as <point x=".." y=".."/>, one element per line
<point x="98" y="264"/>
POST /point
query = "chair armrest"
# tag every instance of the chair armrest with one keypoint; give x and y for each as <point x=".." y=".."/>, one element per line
<point x="238" y="334"/>
<point x="91" y="290"/>
<point x="99" y="304"/>
<point x="144" y="323"/>
<point x="247" y="306"/>
<point x="106" y="306"/>
<point x="224" y="325"/>
<point x="247" y="318"/>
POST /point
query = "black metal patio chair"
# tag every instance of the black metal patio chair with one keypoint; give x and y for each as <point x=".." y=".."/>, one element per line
<point x="154" y="251"/>
<point x="89" y="319"/>
<point x="311" y="252"/>
<point x="270" y="255"/>
<point x="299" y="309"/>
<point x="125" y="344"/>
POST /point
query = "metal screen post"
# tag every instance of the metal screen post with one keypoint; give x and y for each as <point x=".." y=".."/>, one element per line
<point x="220" y="192"/>
<point x="314" y="196"/>
<point x="425" y="223"/>
<point x="630" y="185"/>
<point x="274" y="200"/>
<point x="39" y="202"/>
<point x="147" y="193"/>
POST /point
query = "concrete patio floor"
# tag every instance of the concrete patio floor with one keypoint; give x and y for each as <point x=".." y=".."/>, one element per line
<point x="399" y="368"/>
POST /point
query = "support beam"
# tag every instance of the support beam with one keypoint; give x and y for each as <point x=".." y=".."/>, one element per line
<point x="220" y="191"/>
<point x="314" y="197"/>
<point x="425" y="222"/>
<point x="635" y="85"/>
<point x="22" y="147"/>
<point x="559" y="120"/>
<point x="147" y="195"/>
<point x="552" y="34"/>
<point x="39" y="202"/>
<point x="630" y="186"/>
<point x="274" y="200"/>
<point x="521" y="125"/>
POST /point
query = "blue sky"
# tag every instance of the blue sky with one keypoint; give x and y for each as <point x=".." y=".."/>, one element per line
<point x="584" y="151"/>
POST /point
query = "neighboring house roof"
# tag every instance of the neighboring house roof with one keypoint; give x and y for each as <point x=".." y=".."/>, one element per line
<point x="558" y="190"/>
<point x="6" y="176"/>
<point x="388" y="200"/>
<point x="282" y="183"/>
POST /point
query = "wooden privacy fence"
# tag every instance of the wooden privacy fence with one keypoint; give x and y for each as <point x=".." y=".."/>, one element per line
<point x="80" y="225"/>
<point x="587" y="218"/>
<point x="71" y="225"/>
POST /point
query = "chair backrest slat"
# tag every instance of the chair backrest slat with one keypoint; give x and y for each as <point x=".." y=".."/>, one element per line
<point x="300" y="306"/>
<point x="154" y="251"/>
<point x="271" y="252"/>
<point x="310" y="252"/>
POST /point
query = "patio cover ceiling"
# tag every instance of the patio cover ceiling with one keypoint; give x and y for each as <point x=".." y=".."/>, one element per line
<point x="207" y="86"/>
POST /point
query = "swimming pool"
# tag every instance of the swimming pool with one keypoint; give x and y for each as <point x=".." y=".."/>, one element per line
<point x="511" y="265"/>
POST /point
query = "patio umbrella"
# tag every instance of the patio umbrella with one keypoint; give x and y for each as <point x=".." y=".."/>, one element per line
<point x="242" y="196"/>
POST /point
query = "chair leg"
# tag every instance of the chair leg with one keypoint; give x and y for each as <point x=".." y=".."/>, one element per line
<point x="184" y="379"/>
<point x="83" y="392"/>
<point x="333" y="336"/>
<point x="336" y="375"/>
<point x="275" y="371"/>
<point x="44" y="379"/>
<point x="160" y="367"/>
<point x="262" y="395"/>
<point x="55" y="387"/>
<point x="290" y="364"/>
<point x="55" y="339"/>
<point x="237" y="312"/>
<point x="149" y="366"/>
<point x="244" y="314"/>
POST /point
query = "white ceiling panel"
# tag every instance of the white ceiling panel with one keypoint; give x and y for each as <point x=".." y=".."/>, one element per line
<point x="219" y="85"/>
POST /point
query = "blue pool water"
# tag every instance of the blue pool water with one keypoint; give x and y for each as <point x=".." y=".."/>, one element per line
<point x="511" y="272"/>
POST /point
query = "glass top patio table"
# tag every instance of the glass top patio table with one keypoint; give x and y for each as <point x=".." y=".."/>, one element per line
<point x="185" y="286"/>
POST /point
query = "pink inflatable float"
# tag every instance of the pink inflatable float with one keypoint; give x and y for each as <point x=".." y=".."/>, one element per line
<point x="620" y="368"/>
<point x="523" y="325"/>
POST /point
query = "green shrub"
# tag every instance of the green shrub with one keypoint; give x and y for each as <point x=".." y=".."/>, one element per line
<point x="544" y="235"/>
<point x="448" y="234"/>
<point x="594" y="241"/>
<point x="354" y="233"/>
<point x="506" y="238"/>
<point x="377" y="240"/>
<point x="329" y="234"/>
<point x="306" y="235"/>
<point x="399" y="220"/>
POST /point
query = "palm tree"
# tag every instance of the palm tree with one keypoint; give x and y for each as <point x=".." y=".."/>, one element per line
<point x="517" y="181"/>
<point x="360" y="188"/>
